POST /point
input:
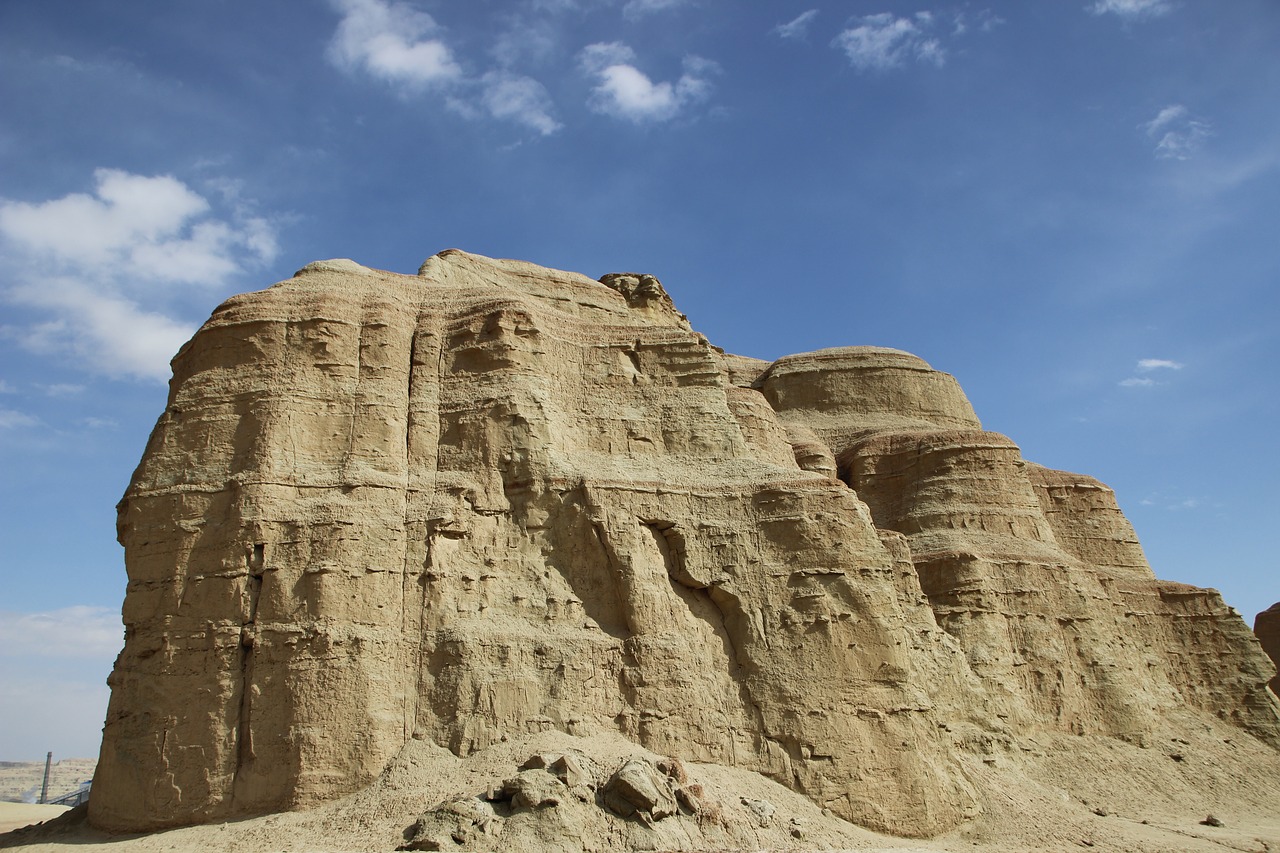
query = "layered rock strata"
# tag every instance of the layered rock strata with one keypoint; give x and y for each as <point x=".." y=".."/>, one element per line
<point x="496" y="499"/>
<point x="1266" y="626"/>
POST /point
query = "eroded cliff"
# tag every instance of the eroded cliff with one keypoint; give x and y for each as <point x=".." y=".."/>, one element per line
<point x="495" y="499"/>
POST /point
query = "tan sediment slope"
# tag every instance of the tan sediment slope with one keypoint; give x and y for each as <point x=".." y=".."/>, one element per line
<point x="17" y="815"/>
<point x="386" y="516"/>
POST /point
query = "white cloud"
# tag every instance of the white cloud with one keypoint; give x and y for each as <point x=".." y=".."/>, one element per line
<point x="1174" y="501"/>
<point x="11" y="419"/>
<point x="402" y="46"/>
<point x="639" y="8"/>
<point x="798" y="27"/>
<point x="626" y="92"/>
<point x="70" y="632"/>
<point x="62" y="389"/>
<point x="6" y="388"/>
<point x="111" y="334"/>
<point x="882" y="42"/>
<point x="149" y="227"/>
<point x="90" y="262"/>
<point x="985" y="20"/>
<point x="526" y="38"/>
<point x="125" y="213"/>
<point x="1131" y="9"/>
<point x="1176" y="132"/>
<point x="520" y="99"/>
<point x="1148" y="364"/>
<point x="391" y="41"/>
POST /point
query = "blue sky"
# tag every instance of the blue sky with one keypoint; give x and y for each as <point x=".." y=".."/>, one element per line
<point x="1071" y="206"/>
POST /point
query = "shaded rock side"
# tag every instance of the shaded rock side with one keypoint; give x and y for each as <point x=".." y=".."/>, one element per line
<point x="1266" y="626"/>
<point x="494" y="499"/>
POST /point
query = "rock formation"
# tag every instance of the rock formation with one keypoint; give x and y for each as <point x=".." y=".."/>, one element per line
<point x="494" y="499"/>
<point x="1266" y="625"/>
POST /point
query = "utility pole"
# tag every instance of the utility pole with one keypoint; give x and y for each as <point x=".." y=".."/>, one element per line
<point x="44" y="790"/>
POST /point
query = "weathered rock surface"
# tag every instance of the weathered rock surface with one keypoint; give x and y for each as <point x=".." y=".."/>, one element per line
<point x="495" y="500"/>
<point x="1266" y="625"/>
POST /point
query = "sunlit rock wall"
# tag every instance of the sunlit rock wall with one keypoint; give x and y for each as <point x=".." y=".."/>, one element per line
<point x="496" y="499"/>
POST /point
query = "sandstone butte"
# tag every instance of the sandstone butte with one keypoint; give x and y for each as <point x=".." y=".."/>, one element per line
<point x="1266" y="625"/>
<point x="494" y="501"/>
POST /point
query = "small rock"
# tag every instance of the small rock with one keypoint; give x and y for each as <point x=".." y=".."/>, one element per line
<point x="453" y="823"/>
<point x="531" y="789"/>
<point x="674" y="768"/>
<point x="762" y="810"/>
<point x="539" y="761"/>
<point x="639" y="790"/>
<point x="1176" y="756"/>
<point x="1212" y="821"/>
<point x="690" y="798"/>
<point x="572" y="770"/>
<point x="1101" y="812"/>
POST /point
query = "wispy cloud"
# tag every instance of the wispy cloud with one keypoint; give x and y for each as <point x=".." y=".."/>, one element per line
<point x="1148" y="366"/>
<point x="12" y="419"/>
<point x="1176" y="132"/>
<point x="526" y="38"/>
<point x="984" y="21"/>
<point x="62" y="389"/>
<point x="798" y="27"/>
<point x="393" y="42"/>
<point x="1174" y="503"/>
<point x="6" y="388"/>
<point x="520" y="99"/>
<point x="89" y="263"/>
<point x="624" y="91"/>
<point x="882" y="42"/>
<point x="75" y="632"/>
<point x="503" y="95"/>
<point x="639" y="8"/>
<point x="1130" y="9"/>
<point x="405" y="48"/>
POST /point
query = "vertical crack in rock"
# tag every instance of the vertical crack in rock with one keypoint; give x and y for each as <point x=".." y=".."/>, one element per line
<point x="255" y="561"/>
<point x="410" y="580"/>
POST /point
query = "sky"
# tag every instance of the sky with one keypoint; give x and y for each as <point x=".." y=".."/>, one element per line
<point x="1071" y="206"/>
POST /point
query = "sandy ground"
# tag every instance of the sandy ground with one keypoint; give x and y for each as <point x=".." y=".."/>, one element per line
<point x="17" y="815"/>
<point x="1054" y="792"/>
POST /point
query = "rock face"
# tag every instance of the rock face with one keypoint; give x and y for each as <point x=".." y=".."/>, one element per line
<point x="494" y="499"/>
<point x="1266" y="625"/>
